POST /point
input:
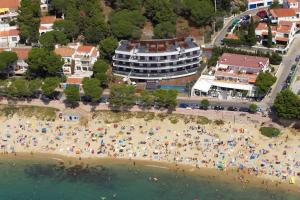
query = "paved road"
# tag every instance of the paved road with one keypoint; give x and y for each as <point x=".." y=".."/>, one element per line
<point x="284" y="70"/>
<point x="219" y="37"/>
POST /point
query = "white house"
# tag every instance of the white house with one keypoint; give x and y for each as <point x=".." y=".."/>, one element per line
<point x="79" y="59"/>
<point x="8" y="10"/>
<point x="234" y="73"/>
<point x="9" y="37"/>
<point x="46" y="24"/>
<point x="283" y="14"/>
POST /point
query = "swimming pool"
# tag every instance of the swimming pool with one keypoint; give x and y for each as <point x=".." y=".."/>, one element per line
<point x="179" y="88"/>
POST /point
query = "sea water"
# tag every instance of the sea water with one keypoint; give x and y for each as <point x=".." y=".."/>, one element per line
<point x="31" y="179"/>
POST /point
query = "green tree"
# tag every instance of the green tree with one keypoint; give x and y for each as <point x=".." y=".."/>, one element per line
<point x="126" y="24"/>
<point x="275" y="4"/>
<point x="199" y="12"/>
<point x="103" y="78"/>
<point x="28" y="20"/>
<point x="18" y="88"/>
<point x="165" y="30"/>
<point x="275" y="58"/>
<point x="128" y="4"/>
<point x="159" y="11"/>
<point x="270" y="37"/>
<point x="252" y="108"/>
<point x="34" y="86"/>
<point x="146" y="99"/>
<point x="43" y="63"/>
<point x="122" y="96"/>
<point x="251" y="38"/>
<point x="50" y="39"/>
<point x="7" y="58"/>
<point x="287" y="105"/>
<point x="92" y="89"/>
<point x="68" y="27"/>
<point x="264" y="81"/>
<point x="100" y="66"/>
<point x="205" y="104"/>
<point x="72" y="95"/>
<point x="166" y="98"/>
<point x="107" y="47"/>
<point x="49" y="86"/>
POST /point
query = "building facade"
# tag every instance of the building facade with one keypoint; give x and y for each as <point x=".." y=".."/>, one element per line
<point x="8" y="10"/>
<point x="254" y="4"/>
<point x="9" y="37"/>
<point x="156" y="59"/>
<point x="234" y="74"/>
<point x="78" y="59"/>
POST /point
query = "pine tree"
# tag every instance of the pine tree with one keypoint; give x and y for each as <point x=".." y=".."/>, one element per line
<point x="269" y="42"/>
<point x="251" y="38"/>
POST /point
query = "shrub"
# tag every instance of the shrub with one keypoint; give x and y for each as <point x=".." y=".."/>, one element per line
<point x="269" y="131"/>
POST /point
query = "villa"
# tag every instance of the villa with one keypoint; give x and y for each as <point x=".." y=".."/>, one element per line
<point x="79" y="59"/>
<point x="9" y="37"/>
<point x="156" y="59"/>
<point x="46" y="24"/>
<point x="234" y="75"/>
<point x="8" y="10"/>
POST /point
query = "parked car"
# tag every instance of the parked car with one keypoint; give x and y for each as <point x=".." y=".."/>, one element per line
<point x="262" y="14"/>
<point x="244" y="109"/>
<point x="183" y="105"/>
<point x="297" y="58"/>
<point x="218" y="107"/>
<point x="245" y="17"/>
<point x="195" y="106"/>
<point x="232" y="108"/>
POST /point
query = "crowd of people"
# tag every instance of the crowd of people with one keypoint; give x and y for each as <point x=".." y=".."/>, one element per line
<point x="231" y="145"/>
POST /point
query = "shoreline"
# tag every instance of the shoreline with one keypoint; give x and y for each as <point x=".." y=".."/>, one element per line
<point x="190" y="143"/>
<point x="230" y="176"/>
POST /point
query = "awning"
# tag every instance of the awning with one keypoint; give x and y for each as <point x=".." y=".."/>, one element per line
<point x="202" y="85"/>
<point x="4" y="10"/>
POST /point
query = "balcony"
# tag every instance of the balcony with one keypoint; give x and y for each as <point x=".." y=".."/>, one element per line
<point x="149" y="76"/>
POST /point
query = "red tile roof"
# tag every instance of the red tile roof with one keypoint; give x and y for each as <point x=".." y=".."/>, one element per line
<point x="11" y="4"/>
<point x="242" y="60"/>
<point x="232" y="36"/>
<point x="64" y="51"/>
<point x="22" y="53"/>
<point x="283" y="12"/>
<point x="85" y="48"/>
<point x="12" y="32"/>
<point x="282" y="39"/>
<point x="49" y="19"/>
<point x="74" y="80"/>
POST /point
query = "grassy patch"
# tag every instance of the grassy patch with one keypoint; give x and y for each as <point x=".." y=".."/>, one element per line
<point x="173" y="119"/>
<point x="43" y="113"/>
<point x="219" y="122"/>
<point x="269" y="131"/>
<point x="203" y="120"/>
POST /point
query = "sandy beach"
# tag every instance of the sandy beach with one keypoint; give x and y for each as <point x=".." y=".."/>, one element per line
<point x="235" y="150"/>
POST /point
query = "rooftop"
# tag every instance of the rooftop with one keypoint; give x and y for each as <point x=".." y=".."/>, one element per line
<point x="155" y="46"/>
<point x="283" y="12"/>
<point x="12" y="32"/>
<point x="64" y="51"/>
<point x="49" y="19"/>
<point x="85" y="48"/>
<point x="22" y="53"/>
<point x="11" y="4"/>
<point x="243" y="60"/>
<point x="74" y="80"/>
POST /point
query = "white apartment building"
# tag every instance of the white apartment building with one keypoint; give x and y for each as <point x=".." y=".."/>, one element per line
<point x="44" y="6"/>
<point x="233" y="74"/>
<point x="46" y="24"/>
<point x="9" y="37"/>
<point x="8" y="10"/>
<point x="156" y="59"/>
<point x="254" y="4"/>
<point x="79" y="59"/>
<point x="283" y="33"/>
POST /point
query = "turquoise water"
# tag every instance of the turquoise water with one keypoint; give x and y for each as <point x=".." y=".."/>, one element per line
<point x="37" y="180"/>
<point x="173" y="87"/>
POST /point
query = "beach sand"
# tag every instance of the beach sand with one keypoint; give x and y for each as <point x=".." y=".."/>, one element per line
<point x="179" y="143"/>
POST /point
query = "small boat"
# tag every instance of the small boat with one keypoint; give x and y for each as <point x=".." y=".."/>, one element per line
<point x="103" y="198"/>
